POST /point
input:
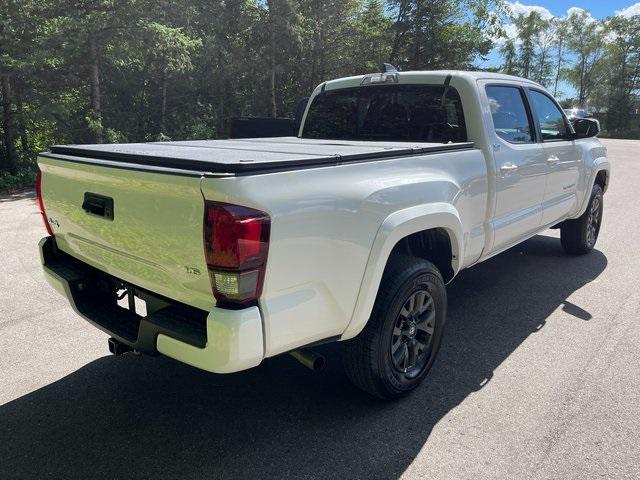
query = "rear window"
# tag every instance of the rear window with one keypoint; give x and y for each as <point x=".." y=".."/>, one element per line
<point x="421" y="113"/>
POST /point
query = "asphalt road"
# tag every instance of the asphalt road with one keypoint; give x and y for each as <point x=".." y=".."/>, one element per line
<point x="538" y="378"/>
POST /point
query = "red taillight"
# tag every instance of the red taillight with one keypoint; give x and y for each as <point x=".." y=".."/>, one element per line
<point x="41" y="203"/>
<point x="236" y="242"/>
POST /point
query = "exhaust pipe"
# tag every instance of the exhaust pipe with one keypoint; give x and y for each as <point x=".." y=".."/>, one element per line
<point x="118" y="348"/>
<point x="309" y="359"/>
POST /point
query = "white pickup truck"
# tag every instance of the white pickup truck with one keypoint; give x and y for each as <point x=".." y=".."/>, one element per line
<point x="222" y="253"/>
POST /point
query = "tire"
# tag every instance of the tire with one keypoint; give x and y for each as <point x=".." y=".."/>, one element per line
<point x="413" y="336"/>
<point x="579" y="236"/>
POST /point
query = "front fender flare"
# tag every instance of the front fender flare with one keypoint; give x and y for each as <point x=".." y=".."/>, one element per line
<point x="395" y="227"/>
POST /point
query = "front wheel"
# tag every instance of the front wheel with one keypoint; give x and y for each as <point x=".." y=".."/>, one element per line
<point x="399" y="343"/>
<point x="579" y="236"/>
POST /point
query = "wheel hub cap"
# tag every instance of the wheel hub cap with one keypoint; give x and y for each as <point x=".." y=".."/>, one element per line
<point x="413" y="332"/>
<point x="412" y="329"/>
<point x="593" y="221"/>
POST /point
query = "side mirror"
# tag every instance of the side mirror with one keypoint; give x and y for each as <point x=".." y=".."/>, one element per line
<point x="585" y="127"/>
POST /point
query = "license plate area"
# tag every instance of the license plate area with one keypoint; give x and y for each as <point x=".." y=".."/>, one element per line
<point x="129" y="300"/>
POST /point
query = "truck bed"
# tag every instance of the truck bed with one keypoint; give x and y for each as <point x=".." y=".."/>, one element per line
<point x="243" y="156"/>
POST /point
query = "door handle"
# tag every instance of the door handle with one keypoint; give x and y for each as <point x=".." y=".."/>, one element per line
<point x="552" y="160"/>
<point x="508" y="167"/>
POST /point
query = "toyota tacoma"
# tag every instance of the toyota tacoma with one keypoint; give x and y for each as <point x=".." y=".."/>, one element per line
<point x="221" y="253"/>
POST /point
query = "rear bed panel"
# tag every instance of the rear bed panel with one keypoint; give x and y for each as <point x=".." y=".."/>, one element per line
<point x="155" y="238"/>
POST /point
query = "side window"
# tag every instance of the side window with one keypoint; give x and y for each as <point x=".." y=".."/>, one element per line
<point x="548" y="116"/>
<point x="509" y="114"/>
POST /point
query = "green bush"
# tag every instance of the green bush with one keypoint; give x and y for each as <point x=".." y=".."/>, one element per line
<point x="631" y="133"/>
<point x="25" y="178"/>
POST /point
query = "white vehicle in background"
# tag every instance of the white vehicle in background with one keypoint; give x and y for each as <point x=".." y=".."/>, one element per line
<point x="240" y="250"/>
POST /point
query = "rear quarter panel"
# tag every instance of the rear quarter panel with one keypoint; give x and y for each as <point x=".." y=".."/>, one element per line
<point x="325" y="222"/>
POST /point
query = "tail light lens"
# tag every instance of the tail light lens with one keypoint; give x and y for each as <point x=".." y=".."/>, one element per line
<point x="236" y="242"/>
<point x="41" y="203"/>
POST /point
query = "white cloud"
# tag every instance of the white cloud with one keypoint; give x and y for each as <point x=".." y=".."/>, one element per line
<point x="631" y="11"/>
<point x="576" y="11"/>
<point x="510" y="32"/>
<point x="582" y="12"/>
<point x="517" y="8"/>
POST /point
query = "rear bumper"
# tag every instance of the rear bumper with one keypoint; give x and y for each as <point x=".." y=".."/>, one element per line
<point x="220" y="341"/>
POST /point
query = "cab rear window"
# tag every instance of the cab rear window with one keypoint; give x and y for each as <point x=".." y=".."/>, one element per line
<point x="422" y="113"/>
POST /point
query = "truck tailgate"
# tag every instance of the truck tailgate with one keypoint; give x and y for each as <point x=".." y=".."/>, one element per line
<point x="154" y="240"/>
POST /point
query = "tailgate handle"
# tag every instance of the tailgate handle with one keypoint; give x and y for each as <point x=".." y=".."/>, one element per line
<point x="98" y="205"/>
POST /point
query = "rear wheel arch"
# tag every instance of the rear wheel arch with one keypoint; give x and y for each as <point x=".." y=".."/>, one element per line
<point x="435" y="236"/>
<point x="433" y="244"/>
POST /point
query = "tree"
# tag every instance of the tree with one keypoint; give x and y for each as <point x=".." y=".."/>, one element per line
<point x="9" y="158"/>
<point x="281" y="24"/>
<point x="585" y="38"/>
<point x="509" y="52"/>
<point x="17" y="30"/>
<point x="82" y="71"/>
<point x="170" y="52"/>
<point x="622" y="64"/>
<point x="528" y="50"/>
<point x="543" y="61"/>
<point x="558" y="26"/>
<point x="82" y="32"/>
<point x="440" y="33"/>
<point x="526" y="26"/>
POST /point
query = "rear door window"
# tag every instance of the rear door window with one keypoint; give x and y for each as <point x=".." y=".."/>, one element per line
<point x="509" y="114"/>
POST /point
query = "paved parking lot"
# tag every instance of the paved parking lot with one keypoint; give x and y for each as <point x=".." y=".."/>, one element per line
<point x="538" y="377"/>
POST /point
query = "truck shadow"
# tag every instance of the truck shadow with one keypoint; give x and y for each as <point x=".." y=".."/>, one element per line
<point x="138" y="417"/>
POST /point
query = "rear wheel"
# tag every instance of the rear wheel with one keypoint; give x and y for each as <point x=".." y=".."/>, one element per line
<point x="399" y="343"/>
<point x="579" y="236"/>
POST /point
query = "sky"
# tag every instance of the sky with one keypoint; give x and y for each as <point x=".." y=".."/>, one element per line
<point x="597" y="8"/>
<point x="559" y="8"/>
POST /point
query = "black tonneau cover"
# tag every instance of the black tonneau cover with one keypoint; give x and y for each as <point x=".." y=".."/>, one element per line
<point x="244" y="156"/>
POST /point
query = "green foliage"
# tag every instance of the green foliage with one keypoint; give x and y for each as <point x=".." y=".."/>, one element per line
<point x="84" y="71"/>
<point x="532" y="56"/>
<point x="600" y="59"/>
<point x="169" y="49"/>
<point x="630" y="133"/>
<point x="585" y="39"/>
<point x="24" y="178"/>
<point x="441" y="34"/>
